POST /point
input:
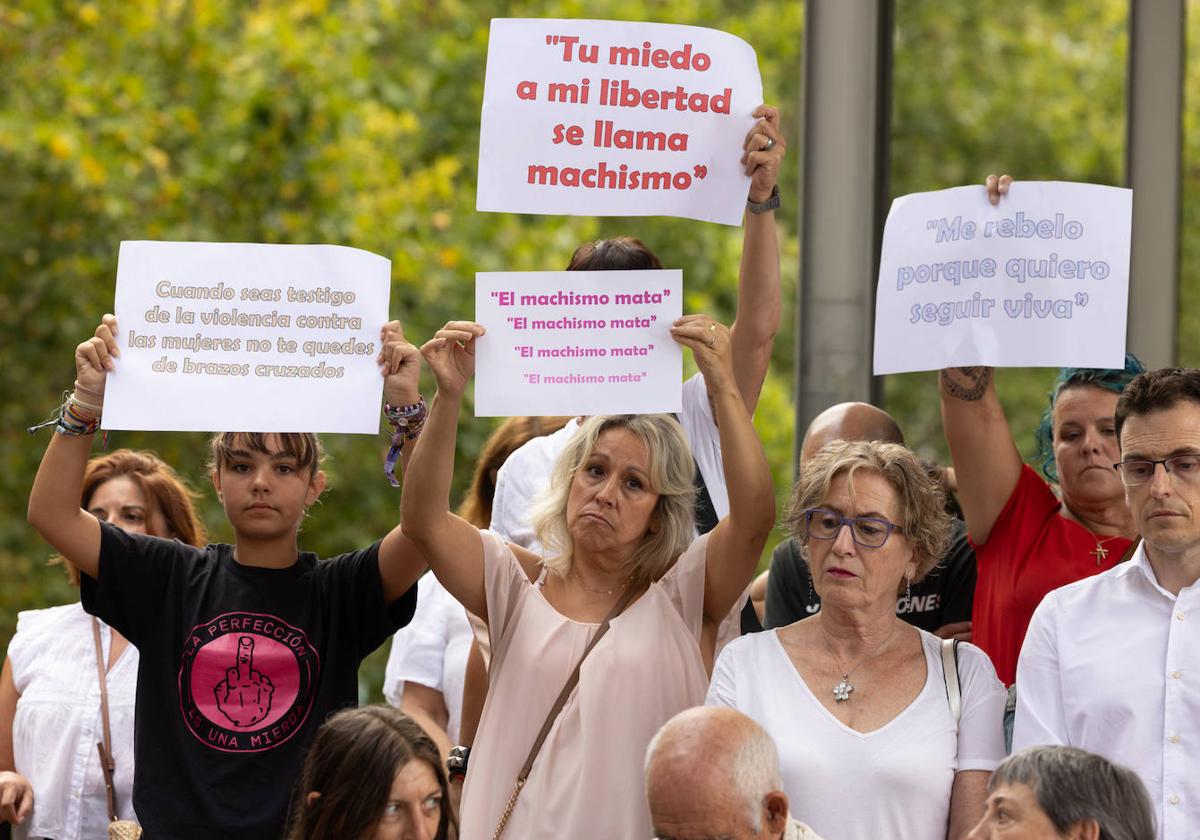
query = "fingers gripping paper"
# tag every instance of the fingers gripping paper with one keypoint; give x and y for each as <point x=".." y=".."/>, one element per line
<point x="577" y="342"/>
<point x="245" y="337"/>
<point x="1042" y="280"/>
<point x="595" y="117"/>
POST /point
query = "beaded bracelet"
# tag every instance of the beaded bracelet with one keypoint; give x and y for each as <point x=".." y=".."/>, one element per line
<point x="69" y="420"/>
<point x="407" y="421"/>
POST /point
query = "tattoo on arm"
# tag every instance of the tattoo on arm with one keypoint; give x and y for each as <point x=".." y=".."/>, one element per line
<point x="965" y="383"/>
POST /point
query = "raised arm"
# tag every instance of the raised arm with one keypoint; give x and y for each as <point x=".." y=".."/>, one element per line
<point x="400" y="561"/>
<point x="759" y="297"/>
<point x="986" y="462"/>
<point x="451" y="545"/>
<point x="735" y="545"/>
<point x="54" y="499"/>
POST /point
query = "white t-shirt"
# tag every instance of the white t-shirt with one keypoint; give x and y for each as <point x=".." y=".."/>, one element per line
<point x="526" y="473"/>
<point x="892" y="782"/>
<point x="57" y="723"/>
<point x="432" y="651"/>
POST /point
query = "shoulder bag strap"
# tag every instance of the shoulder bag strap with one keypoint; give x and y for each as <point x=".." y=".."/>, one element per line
<point x="572" y="681"/>
<point x="950" y="673"/>
<point x="104" y="747"/>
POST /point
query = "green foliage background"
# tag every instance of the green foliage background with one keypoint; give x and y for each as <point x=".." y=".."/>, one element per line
<point x="357" y="123"/>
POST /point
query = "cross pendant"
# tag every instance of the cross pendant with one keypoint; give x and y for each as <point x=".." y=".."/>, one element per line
<point x="842" y="690"/>
<point x="1100" y="553"/>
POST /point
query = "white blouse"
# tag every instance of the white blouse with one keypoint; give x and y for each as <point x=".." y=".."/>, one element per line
<point x="57" y="723"/>
<point x="432" y="651"/>
<point x="894" y="781"/>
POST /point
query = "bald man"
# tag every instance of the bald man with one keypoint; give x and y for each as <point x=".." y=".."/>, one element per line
<point x="713" y="772"/>
<point x="940" y="602"/>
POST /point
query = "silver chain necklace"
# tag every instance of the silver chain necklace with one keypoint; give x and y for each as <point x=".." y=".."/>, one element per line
<point x="841" y="691"/>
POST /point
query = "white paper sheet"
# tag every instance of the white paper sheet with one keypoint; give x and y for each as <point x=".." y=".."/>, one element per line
<point x="609" y="118"/>
<point x="577" y="342"/>
<point x="219" y="336"/>
<point x="1042" y="280"/>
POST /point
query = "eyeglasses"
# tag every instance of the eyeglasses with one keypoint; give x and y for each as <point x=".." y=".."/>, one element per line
<point x="867" y="531"/>
<point x="1141" y="470"/>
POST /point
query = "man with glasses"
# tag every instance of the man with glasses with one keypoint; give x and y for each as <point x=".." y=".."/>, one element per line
<point x="1111" y="664"/>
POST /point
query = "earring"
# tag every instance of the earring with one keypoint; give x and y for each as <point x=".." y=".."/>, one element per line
<point x="812" y="593"/>
<point x="908" y="588"/>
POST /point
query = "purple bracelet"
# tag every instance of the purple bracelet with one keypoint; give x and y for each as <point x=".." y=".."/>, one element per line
<point x="407" y="421"/>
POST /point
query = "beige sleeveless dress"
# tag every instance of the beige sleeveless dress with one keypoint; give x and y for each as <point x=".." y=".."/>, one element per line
<point x="587" y="779"/>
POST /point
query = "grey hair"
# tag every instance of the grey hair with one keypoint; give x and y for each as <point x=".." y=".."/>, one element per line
<point x="919" y="496"/>
<point x="753" y="768"/>
<point x="754" y="772"/>
<point x="1074" y="786"/>
<point x="671" y="472"/>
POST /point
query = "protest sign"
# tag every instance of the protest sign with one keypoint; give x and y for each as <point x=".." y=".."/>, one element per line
<point x="218" y="336"/>
<point x="1041" y="280"/>
<point x="606" y="118"/>
<point x="577" y="342"/>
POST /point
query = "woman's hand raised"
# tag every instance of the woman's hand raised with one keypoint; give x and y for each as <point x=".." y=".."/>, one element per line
<point x="400" y="363"/>
<point x="451" y="355"/>
<point x="712" y="346"/>
<point x="94" y="359"/>
<point x="997" y="186"/>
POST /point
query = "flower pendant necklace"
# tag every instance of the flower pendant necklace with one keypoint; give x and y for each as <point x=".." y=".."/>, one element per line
<point x="841" y="691"/>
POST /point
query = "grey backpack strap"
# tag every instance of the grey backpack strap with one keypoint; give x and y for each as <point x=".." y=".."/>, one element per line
<point x="950" y="672"/>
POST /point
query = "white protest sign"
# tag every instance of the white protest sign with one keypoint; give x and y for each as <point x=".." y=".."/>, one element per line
<point x="607" y="118"/>
<point x="577" y="342"/>
<point x="218" y="336"/>
<point x="1041" y="280"/>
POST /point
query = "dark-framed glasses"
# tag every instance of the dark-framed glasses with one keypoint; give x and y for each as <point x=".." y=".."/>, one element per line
<point x="1141" y="470"/>
<point x="867" y="531"/>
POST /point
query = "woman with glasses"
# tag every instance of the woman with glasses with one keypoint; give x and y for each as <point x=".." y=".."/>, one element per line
<point x="870" y="741"/>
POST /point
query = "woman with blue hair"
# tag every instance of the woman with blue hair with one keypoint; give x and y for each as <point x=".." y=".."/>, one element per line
<point x="1028" y="538"/>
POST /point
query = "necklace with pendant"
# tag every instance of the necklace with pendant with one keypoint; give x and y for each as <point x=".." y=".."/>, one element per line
<point x="587" y="588"/>
<point x="1100" y="552"/>
<point x="841" y="691"/>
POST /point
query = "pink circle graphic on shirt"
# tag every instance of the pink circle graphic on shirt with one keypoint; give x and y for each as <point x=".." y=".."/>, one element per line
<point x="246" y="681"/>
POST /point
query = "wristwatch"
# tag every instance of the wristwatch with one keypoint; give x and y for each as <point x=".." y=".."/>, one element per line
<point x="456" y="762"/>
<point x="771" y="203"/>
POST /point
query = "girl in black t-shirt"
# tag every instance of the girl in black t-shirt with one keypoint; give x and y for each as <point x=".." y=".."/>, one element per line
<point x="245" y="648"/>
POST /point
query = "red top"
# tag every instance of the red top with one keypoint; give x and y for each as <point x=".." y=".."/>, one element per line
<point x="1031" y="550"/>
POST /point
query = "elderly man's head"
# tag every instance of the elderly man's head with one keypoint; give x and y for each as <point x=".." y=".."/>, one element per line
<point x="713" y="774"/>
<point x="849" y="421"/>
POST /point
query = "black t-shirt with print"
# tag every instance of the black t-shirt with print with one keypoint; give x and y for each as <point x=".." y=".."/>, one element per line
<point x="239" y="667"/>
<point x="944" y="596"/>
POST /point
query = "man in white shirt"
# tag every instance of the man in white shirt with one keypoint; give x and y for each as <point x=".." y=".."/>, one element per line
<point x="714" y="772"/>
<point x="1111" y="664"/>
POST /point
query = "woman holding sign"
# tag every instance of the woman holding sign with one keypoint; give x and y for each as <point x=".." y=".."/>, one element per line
<point x="245" y="649"/>
<point x="566" y="722"/>
<point x="1028" y="540"/>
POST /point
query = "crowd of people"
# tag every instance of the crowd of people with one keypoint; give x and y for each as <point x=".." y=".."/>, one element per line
<point x="576" y="660"/>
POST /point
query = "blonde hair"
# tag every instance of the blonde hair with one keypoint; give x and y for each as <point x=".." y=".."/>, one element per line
<point x="921" y="499"/>
<point x="671" y="474"/>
